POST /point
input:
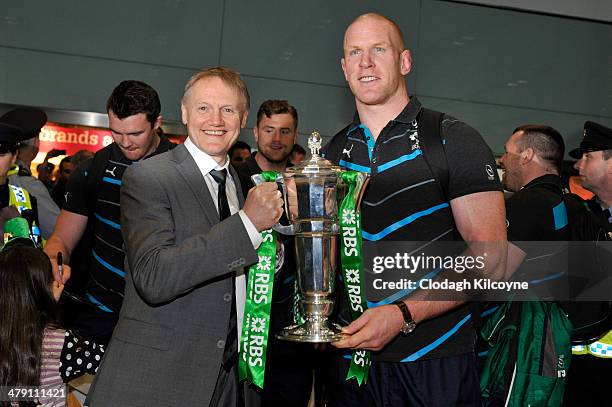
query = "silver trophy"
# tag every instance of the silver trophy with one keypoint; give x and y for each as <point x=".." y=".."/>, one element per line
<point x="312" y="191"/>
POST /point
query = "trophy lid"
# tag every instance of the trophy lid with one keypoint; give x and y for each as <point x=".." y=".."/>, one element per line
<point x="315" y="164"/>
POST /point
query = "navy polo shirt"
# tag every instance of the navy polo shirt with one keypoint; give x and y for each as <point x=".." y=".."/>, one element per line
<point x="403" y="202"/>
<point x="106" y="283"/>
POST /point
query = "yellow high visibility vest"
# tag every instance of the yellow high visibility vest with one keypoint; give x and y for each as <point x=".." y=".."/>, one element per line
<point x="602" y="348"/>
<point x="20" y="199"/>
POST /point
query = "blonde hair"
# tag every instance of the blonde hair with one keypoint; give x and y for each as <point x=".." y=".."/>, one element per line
<point x="230" y="77"/>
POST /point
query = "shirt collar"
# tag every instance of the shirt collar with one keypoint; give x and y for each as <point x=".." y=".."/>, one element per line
<point x="546" y="179"/>
<point x="407" y="116"/>
<point x="204" y="161"/>
<point x="163" y="146"/>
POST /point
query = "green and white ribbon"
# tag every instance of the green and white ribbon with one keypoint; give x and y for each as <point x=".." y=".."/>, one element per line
<point x="256" y="323"/>
<point x="352" y="270"/>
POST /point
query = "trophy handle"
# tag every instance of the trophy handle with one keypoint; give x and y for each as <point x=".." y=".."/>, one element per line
<point x="280" y="182"/>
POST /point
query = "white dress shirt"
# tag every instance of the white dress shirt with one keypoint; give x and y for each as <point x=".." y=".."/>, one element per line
<point x="206" y="164"/>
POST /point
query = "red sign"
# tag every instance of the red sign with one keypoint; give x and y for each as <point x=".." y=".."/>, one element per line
<point x="73" y="138"/>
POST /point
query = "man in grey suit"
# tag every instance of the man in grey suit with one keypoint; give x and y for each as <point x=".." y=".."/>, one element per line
<point x="186" y="237"/>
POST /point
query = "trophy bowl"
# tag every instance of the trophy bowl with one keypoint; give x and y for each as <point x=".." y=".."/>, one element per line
<point x="312" y="191"/>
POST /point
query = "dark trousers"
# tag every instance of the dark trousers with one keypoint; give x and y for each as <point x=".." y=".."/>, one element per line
<point x="289" y="372"/>
<point x="451" y="381"/>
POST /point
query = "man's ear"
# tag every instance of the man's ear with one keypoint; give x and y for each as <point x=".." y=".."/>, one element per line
<point x="405" y="62"/>
<point x="256" y="134"/>
<point x="244" y="120"/>
<point x="527" y="155"/>
<point x="184" y="114"/>
<point x="295" y="136"/>
<point x="158" y="122"/>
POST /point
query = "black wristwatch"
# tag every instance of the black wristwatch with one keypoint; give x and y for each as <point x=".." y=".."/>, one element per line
<point x="409" y="324"/>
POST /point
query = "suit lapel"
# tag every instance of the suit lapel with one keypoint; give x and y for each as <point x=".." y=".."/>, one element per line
<point x="188" y="168"/>
<point x="236" y="179"/>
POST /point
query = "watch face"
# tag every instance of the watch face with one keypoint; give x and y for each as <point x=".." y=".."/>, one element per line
<point x="408" y="327"/>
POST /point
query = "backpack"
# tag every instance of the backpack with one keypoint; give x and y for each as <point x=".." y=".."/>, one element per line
<point x="529" y="355"/>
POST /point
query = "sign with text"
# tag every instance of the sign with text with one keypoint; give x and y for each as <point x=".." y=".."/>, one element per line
<point x="73" y="138"/>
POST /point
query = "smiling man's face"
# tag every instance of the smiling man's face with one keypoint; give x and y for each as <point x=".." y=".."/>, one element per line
<point x="375" y="61"/>
<point x="214" y="114"/>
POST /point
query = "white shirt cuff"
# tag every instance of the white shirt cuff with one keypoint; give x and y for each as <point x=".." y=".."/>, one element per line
<point x="251" y="230"/>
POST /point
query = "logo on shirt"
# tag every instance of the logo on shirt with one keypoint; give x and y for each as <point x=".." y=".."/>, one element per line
<point x="490" y="172"/>
<point x="348" y="152"/>
<point x="66" y="197"/>
<point x="111" y="172"/>
<point x="414" y="137"/>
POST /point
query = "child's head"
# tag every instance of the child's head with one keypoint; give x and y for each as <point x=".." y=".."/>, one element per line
<point x="27" y="306"/>
<point x="26" y="283"/>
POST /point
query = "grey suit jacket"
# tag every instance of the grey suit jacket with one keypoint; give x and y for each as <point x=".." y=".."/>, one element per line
<point x="167" y="347"/>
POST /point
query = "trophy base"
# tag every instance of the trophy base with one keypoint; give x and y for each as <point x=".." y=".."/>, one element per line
<point x="313" y="332"/>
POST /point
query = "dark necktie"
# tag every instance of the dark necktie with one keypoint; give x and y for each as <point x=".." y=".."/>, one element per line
<point x="230" y="353"/>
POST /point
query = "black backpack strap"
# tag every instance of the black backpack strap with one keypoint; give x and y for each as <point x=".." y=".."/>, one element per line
<point x="94" y="176"/>
<point x="430" y="138"/>
<point x="431" y="142"/>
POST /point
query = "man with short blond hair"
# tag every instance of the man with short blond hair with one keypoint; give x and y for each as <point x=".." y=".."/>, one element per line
<point x="189" y="234"/>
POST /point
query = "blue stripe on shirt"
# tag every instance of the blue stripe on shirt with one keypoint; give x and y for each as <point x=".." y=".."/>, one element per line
<point x="107" y="265"/>
<point x="108" y="222"/>
<point x="426" y="349"/>
<point x="403" y="293"/>
<point x="399" y="160"/>
<point x="98" y="303"/>
<point x="353" y="166"/>
<point x="112" y="180"/>
<point x="401" y="223"/>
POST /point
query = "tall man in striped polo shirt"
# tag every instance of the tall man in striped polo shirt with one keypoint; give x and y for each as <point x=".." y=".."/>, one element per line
<point x="91" y="213"/>
<point x="432" y="364"/>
